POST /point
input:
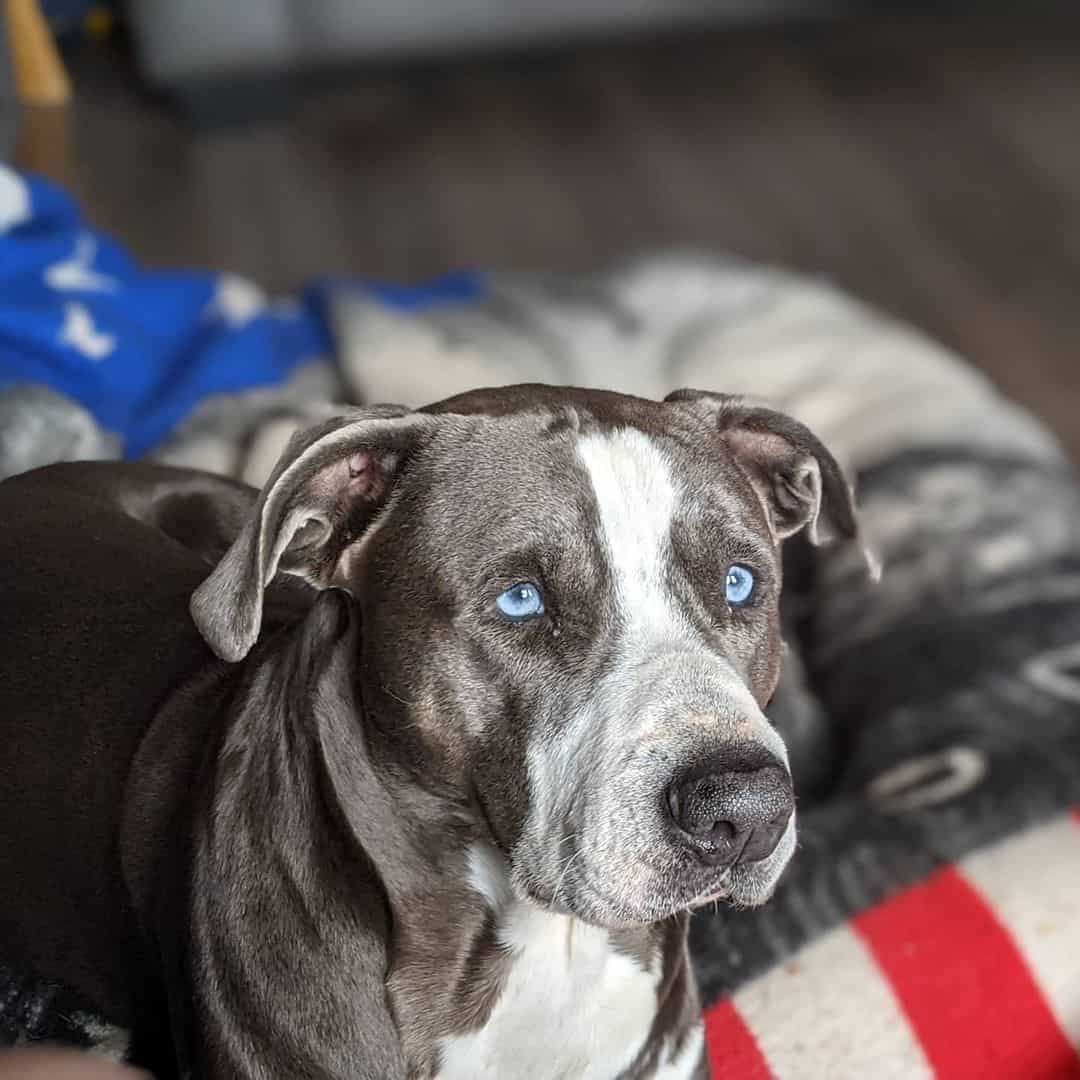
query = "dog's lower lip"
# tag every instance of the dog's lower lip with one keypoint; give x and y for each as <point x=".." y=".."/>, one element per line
<point x="721" y="892"/>
<point x="710" y="898"/>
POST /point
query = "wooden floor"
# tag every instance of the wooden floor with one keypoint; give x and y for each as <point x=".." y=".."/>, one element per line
<point x="933" y="168"/>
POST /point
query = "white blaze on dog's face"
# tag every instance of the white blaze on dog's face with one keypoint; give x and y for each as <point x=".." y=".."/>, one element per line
<point x="569" y="620"/>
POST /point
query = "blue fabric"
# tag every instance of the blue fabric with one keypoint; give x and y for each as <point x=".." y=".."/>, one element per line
<point x="138" y="348"/>
<point x="460" y="287"/>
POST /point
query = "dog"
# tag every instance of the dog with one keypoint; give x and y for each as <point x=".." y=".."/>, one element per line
<point x="414" y="763"/>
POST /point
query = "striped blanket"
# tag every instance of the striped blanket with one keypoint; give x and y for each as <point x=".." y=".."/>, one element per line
<point x="972" y="973"/>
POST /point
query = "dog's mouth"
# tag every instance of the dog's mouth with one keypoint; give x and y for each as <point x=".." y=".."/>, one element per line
<point x="739" y="886"/>
<point x="584" y="900"/>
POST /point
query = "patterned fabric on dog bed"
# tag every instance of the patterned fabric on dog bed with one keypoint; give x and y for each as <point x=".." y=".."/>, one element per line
<point x="929" y="923"/>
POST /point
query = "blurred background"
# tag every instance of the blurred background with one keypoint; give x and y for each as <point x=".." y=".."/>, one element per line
<point x="925" y="157"/>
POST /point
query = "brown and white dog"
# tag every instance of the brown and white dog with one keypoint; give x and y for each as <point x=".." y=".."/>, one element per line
<point x="444" y="814"/>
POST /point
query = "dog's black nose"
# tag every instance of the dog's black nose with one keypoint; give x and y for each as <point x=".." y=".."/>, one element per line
<point x="732" y="811"/>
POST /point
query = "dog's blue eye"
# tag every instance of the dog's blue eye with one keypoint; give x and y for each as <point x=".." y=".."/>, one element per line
<point x="740" y="585"/>
<point x="522" y="601"/>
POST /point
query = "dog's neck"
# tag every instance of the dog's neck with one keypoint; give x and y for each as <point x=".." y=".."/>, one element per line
<point x="622" y="1001"/>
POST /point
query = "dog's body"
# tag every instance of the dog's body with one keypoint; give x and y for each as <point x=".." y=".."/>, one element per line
<point x="397" y="831"/>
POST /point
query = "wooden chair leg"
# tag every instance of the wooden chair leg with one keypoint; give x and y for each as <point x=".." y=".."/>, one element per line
<point x="40" y="76"/>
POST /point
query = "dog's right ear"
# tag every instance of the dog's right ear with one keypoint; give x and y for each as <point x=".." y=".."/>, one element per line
<point x="328" y="486"/>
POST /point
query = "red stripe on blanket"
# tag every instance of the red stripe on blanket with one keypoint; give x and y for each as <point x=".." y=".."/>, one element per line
<point x="1076" y="815"/>
<point x="964" y="986"/>
<point x="732" y="1049"/>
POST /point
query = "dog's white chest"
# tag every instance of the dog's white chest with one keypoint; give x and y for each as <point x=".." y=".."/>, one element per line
<point x="572" y="1006"/>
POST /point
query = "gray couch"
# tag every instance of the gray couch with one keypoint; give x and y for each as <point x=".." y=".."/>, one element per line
<point x="194" y="41"/>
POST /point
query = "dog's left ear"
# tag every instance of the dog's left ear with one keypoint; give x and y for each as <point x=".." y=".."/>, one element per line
<point x="327" y="488"/>
<point x="799" y="482"/>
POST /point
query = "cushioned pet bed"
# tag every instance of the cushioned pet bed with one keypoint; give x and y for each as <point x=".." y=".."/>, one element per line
<point x="929" y="922"/>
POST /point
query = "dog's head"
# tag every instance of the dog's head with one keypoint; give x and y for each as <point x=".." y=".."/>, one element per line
<point x="569" y="611"/>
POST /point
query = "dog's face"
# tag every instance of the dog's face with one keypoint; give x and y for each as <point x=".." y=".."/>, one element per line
<point x="569" y="604"/>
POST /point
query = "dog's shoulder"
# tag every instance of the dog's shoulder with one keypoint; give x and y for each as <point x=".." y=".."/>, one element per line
<point x="200" y="511"/>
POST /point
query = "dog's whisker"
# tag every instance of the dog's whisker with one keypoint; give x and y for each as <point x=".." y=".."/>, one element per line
<point x="562" y="877"/>
<point x="397" y="697"/>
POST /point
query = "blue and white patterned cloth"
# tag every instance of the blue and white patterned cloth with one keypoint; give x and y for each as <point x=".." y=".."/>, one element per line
<point x="138" y="349"/>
